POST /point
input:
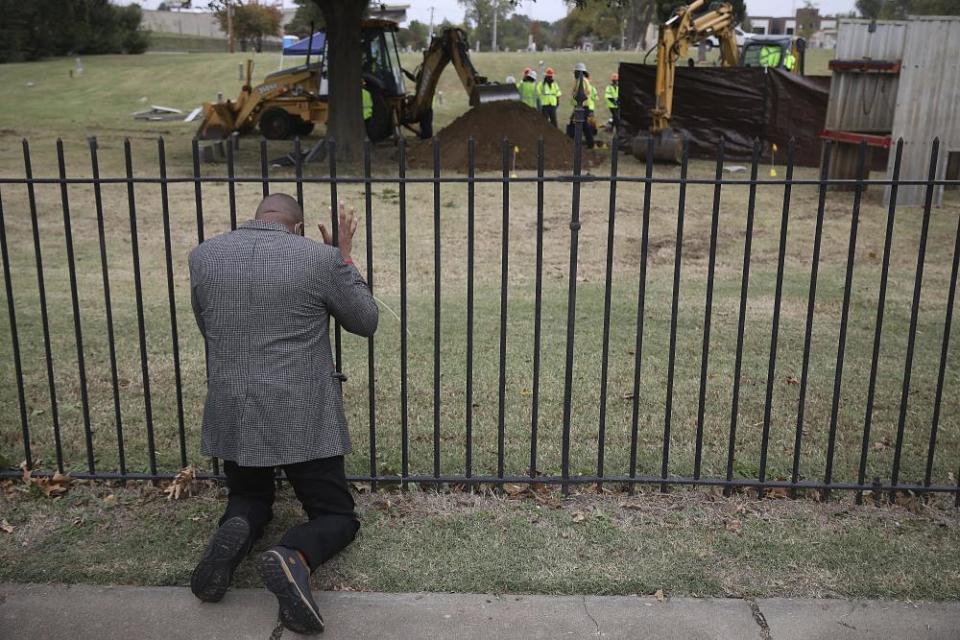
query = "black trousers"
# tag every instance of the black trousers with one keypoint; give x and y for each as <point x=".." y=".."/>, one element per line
<point x="589" y="128"/>
<point x="321" y="487"/>
<point x="550" y="112"/>
<point x="615" y="116"/>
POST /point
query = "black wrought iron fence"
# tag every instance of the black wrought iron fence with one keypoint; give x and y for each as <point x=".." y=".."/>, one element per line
<point x="670" y="366"/>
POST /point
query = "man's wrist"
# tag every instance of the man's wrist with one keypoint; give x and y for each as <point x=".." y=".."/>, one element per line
<point x="347" y="259"/>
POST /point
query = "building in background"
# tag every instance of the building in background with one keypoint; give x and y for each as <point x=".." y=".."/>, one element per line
<point x="193" y="22"/>
<point x="769" y="26"/>
<point x="820" y="31"/>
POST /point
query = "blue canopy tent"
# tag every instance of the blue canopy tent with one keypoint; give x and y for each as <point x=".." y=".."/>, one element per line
<point x="313" y="44"/>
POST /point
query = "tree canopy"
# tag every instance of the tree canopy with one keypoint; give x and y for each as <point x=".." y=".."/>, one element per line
<point x="40" y="28"/>
<point x="479" y="15"/>
<point x="307" y="13"/>
<point x="251" y="21"/>
<point x="414" y="36"/>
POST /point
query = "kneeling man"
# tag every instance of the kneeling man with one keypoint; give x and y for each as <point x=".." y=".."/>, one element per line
<point x="263" y="296"/>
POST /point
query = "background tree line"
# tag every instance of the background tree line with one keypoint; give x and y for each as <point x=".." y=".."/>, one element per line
<point x="34" y="29"/>
<point x="252" y="21"/>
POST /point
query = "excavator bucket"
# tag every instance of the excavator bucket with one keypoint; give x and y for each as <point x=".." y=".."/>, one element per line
<point x="667" y="147"/>
<point x="492" y="92"/>
<point x="218" y="121"/>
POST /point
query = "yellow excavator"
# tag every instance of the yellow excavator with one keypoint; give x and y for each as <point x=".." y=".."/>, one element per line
<point x="291" y="101"/>
<point x="677" y="34"/>
<point x="685" y="29"/>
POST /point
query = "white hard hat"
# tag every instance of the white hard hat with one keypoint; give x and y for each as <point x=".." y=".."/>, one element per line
<point x="510" y="80"/>
<point x="532" y="74"/>
<point x="580" y="67"/>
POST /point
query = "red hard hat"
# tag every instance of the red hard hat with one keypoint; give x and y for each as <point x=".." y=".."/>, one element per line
<point x="548" y="72"/>
<point x="527" y="70"/>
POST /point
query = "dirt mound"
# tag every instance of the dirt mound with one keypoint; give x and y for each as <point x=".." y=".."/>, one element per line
<point x="488" y="124"/>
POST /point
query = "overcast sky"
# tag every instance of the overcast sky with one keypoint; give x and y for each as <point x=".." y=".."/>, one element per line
<point x="552" y="10"/>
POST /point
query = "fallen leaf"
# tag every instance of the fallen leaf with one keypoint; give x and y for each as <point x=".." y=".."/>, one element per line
<point x="182" y="484"/>
<point x="110" y="500"/>
<point x="26" y="472"/>
<point x="525" y="392"/>
<point x="548" y="500"/>
<point x="6" y="527"/>
<point x="53" y="487"/>
<point x="579" y="516"/>
<point x="792" y="380"/>
<point x="56" y="486"/>
<point x="734" y="526"/>
<point x="514" y="490"/>
<point x="628" y="395"/>
<point x="658" y="594"/>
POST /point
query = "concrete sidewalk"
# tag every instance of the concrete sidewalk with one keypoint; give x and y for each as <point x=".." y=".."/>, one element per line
<point x="146" y="613"/>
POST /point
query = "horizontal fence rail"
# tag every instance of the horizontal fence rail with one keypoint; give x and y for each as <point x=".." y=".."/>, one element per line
<point x="642" y="326"/>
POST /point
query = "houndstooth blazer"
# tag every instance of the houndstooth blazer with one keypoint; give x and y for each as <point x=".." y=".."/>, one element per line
<point x="263" y="298"/>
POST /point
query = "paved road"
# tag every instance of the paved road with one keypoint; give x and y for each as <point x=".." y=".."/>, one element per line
<point x="84" y="612"/>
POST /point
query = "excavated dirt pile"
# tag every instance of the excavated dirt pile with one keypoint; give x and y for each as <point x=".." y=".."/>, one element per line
<point x="488" y="124"/>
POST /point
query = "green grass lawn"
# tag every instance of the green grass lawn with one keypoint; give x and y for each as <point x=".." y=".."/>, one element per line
<point x="99" y="103"/>
<point x="687" y="543"/>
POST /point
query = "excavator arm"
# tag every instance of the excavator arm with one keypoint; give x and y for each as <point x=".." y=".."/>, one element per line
<point x="677" y="34"/>
<point x="451" y="47"/>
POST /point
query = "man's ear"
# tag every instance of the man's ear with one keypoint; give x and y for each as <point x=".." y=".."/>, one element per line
<point x="298" y="228"/>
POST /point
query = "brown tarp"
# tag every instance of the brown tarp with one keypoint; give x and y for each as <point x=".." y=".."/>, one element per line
<point x="738" y="104"/>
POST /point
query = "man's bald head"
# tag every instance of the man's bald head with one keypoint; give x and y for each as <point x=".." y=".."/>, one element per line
<point x="279" y="207"/>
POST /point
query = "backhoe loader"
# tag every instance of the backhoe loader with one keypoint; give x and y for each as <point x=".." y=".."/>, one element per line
<point x="291" y="101"/>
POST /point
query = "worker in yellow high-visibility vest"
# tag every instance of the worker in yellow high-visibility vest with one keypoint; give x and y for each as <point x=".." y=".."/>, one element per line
<point x="789" y="61"/>
<point x="588" y="94"/>
<point x="612" y="96"/>
<point x="367" y="101"/>
<point x="594" y="94"/>
<point x="770" y="56"/>
<point x="549" y="92"/>
<point x="528" y="88"/>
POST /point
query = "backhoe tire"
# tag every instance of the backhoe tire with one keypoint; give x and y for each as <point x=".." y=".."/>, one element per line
<point x="303" y="128"/>
<point x="277" y="124"/>
<point x="380" y="124"/>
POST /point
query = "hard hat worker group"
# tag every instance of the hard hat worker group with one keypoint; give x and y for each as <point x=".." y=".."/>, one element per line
<point x="545" y="95"/>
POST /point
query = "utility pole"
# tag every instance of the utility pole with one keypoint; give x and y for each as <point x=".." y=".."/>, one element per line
<point x="496" y="10"/>
<point x="230" y="27"/>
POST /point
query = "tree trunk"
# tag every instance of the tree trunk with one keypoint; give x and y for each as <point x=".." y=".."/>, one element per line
<point x="641" y="14"/>
<point x="345" y="119"/>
